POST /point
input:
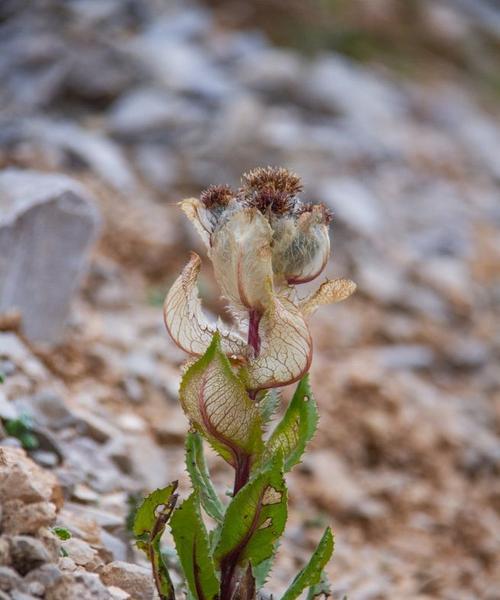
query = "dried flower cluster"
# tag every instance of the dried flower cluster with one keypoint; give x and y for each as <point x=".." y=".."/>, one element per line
<point x="262" y="241"/>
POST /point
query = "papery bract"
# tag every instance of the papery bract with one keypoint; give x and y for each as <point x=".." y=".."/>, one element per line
<point x="185" y="320"/>
<point x="286" y="350"/>
<point x="219" y="407"/>
<point x="242" y="259"/>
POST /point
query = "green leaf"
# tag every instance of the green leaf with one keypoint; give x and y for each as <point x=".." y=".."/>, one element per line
<point x="216" y="402"/>
<point x="191" y="541"/>
<point x="255" y="518"/>
<point x="2" y="377"/>
<point x="262" y="571"/>
<point x="297" y="426"/>
<point x="21" y="428"/>
<point x="149" y="524"/>
<point x="161" y="575"/>
<point x="200" y="477"/>
<point x="147" y="515"/>
<point x="323" y="588"/>
<point x="310" y="575"/>
<point x="269" y="405"/>
<point x="62" y="533"/>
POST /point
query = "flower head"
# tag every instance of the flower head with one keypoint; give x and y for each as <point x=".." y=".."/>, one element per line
<point x="262" y="241"/>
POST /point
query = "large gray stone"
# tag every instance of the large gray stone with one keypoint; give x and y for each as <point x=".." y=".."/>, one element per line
<point x="47" y="223"/>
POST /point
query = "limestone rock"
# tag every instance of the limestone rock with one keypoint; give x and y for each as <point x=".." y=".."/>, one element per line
<point x="4" y="552"/>
<point x="84" y="586"/>
<point x="27" y="553"/>
<point x="47" y="223"/>
<point x="82" y="553"/>
<point x="44" y="576"/>
<point x="9" y="579"/>
<point x="22" y="479"/>
<point x="18" y="517"/>
<point x="135" y="580"/>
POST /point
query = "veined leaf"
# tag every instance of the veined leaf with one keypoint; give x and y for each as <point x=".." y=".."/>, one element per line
<point x="310" y="575"/>
<point x="255" y="518"/>
<point x="200" y="477"/>
<point x="191" y="541"/>
<point x="149" y="524"/>
<point x="297" y="426"/>
<point x="219" y="407"/>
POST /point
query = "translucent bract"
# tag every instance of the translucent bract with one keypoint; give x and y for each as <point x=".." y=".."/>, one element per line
<point x="262" y="241"/>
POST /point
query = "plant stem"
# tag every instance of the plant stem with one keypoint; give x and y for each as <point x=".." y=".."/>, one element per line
<point x="229" y="564"/>
<point x="242" y="473"/>
<point x="253" y="330"/>
<point x="241" y="477"/>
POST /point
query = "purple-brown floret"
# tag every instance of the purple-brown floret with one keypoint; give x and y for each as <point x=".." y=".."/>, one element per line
<point x="271" y="188"/>
<point x="217" y="195"/>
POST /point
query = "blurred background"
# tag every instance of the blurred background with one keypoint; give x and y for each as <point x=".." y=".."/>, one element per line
<point x="111" y="111"/>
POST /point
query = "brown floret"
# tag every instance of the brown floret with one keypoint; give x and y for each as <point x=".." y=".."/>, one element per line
<point x="217" y="195"/>
<point x="273" y="188"/>
<point x="308" y="207"/>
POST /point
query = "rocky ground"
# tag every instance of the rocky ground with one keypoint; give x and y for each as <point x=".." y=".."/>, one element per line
<point x="143" y="103"/>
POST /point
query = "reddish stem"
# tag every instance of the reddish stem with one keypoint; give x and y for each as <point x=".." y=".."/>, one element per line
<point x="242" y="473"/>
<point x="253" y="330"/>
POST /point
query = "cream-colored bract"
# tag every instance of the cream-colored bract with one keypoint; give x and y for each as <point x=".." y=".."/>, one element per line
<point x="301" y="247"/>
<point x="258" y="257"/>
<point x="329" y="292"/>
<point x="242" y="259"/>
<point x="199" y="217"/>
<point x="186" y="322"/>
<point x="286" y="350"/>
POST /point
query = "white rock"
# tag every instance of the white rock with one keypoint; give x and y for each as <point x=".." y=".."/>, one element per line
<point x="47" y="223"/>
<point x="118" y="593"/>
<point x="22" y="479"/>
<point x="135" y="580"/>
<point x="341" y="85"/>
<point x="18" y="517"/>
<point x="143" y="111"/>
<point x="96" y="150"/>
<point x="81" y="586"/>
<point x="28" y="553"/>
<point x="80" y="552"/>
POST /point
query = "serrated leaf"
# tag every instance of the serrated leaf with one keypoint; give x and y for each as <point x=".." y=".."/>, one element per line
<point x="310" y="575"/>
<point x="262" y="571"/>
<point x="219" y="407"/>
<point x="146" y="514"/>
<point x="191" y="541"/>
<point x="200" y="477"/>
<point x="321" y="589"/>
<point x="149" y="524"/>
<point x="255" y="518"/>
<point x="297" y="426"/>
<point x="268" y="405"/>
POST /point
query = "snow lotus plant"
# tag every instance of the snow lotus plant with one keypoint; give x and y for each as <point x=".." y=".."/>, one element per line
<point x="263" y="242"/>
